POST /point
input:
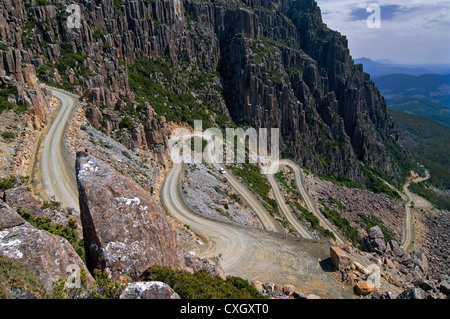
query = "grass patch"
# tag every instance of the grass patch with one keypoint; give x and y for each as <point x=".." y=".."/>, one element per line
<point x="104" y="288"/>
<point x="176" y="107"/>
<point x="8" y="136"/>
<point x="15" y="277"/>
<point x="339" y="205"/>
<point x="253" y="178"/>
<point x="342" y="224"/>
<point x="202" y="285"/>
<point x="376" y="184"/>
<point x="305" y="215"/>
<point x="342" y="180"/>
<point x="7" y="183"/>
<point x="6" y="105"/>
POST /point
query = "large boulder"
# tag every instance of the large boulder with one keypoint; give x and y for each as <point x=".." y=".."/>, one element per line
<point x="124" y="228"/>
<point x="420" y="261"/>
<point x="21" y="197"/>
<point x="48" y="256"/>
<point x="374" y="242"/>
<point x="339" y="258"/>
<point x="396" y="249"/>
<point x="363" y="287"/>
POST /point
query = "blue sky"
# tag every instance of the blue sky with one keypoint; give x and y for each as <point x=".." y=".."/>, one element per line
<point x="411" y="32"/>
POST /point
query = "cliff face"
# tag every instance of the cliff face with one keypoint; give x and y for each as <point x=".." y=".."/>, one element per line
<point x="267" y="63"/>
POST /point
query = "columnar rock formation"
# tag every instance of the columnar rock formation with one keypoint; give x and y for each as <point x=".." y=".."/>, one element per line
<point x="275" y="64"/>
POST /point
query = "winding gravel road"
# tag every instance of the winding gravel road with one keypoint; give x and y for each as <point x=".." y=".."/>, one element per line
<point x="56" y="167"/>
<point x="309" y="201"/>
<point x="419" y="203"/>
<point x="249" y="253"/>
<point x="245" y="252"/>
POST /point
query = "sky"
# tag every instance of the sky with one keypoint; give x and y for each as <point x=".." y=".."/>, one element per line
<point x="410" y="31"/>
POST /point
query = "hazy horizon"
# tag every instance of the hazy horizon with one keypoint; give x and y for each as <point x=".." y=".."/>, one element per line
<point x="413" y="33"/>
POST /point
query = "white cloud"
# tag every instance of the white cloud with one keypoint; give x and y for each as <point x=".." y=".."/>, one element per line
<point x="416" y="32"/>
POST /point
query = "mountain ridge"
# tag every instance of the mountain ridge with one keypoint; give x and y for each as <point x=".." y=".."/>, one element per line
<point x="385" y="67"/>
<point x="268" y="64"/>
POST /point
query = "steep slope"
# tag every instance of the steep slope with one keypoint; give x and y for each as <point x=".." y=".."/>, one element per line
<point x="261" y="63"/>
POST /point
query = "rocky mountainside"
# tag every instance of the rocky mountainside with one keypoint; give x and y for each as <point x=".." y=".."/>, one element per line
<point x="143" y="67"/>
<point x="261" y="63"/>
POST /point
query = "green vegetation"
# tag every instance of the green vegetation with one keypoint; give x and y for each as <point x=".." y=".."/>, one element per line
<point x="67" y="231"/>
<point x="275" y="76"/>
<point x="428" y="143"/>
<point x="439" y="201"/>
<point x="177" y="107"/>
<point x="342" y="180"/>
<point x="50" y="204"/>
<point x="376" y="184"/>
<point x="6" y="105"/>
<point x="299" y="211"/>
<point x="68" y="59"/>
<point x="305" y="215"/>
<point x="339" y="205"/>
<point x="202" y="285"/>
<point x="97" y="33"/>
<point x="7" y="183"/>
<point x="290" y="188"/>
<point x="342" y="224"/>
<point x="15" y="277"/>
<point x="200" y="146"/>
<point x="104" y="288"/>
<point x="404" y="162"/>
<point x="43" y="3"/>
<point x="4" y="47"/>
<point x="370" y="221"/>
<point x="127" y="123"/>
<point x="8" y="136"/>
<point x="253" y="178"/>
<point x="294" y="69"/>
<point x="432" y="110"/>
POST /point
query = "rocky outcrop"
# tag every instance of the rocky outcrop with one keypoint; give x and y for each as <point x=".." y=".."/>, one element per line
<point x="212" y="265"/>
<point x="22" y="198"/>
<point x="124" y="228"/>
<point x="278" y="65"/>
<point x="17" y="71"/>
<point x="51" y="258"/>
<point x="339" y="258"/>
<point x="148" y="290"/>
<point x="406" y="270"/>
<point x="375" y="242"/>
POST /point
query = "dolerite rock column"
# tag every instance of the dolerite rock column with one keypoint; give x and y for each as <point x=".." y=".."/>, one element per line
<point x="124" y="228"/>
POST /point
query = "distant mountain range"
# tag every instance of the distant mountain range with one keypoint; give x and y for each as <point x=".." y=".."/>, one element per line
<point x="435" y="87"/>
<point x="385" y="67"/>
<point x="426" y="95"/>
